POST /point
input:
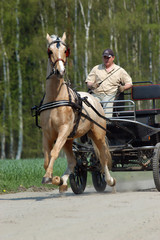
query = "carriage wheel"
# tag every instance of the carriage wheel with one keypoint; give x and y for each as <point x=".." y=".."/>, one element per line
<point x="156" y="166"/>
<point x="78" y="180"/>
<point x="98" y="180"/>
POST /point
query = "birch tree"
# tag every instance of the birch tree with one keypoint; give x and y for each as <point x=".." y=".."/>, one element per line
<point x="110" y="10"/>
<point x="6" y="98"/>
<point x="75" y="43"/>
<point x="87" y="23"/>
<point x="149" y="43"/>
<point x="3" y="136"/>
<point x="55" y="16"/>
<point x="20" y="113"/>
<point x="158" y="20"/>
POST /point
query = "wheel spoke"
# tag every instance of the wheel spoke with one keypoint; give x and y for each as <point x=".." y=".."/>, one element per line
<point x="98" y="181"/>
<point x="78" y="181"/>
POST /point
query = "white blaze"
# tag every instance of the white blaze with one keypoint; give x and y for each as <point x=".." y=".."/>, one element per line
<point x="61" y="65"/>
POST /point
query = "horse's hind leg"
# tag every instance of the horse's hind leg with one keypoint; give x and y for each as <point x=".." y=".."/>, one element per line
<point x="102" y="152"/>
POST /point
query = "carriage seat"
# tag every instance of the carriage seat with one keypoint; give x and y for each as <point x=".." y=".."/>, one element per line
<point x="146" y="92"/>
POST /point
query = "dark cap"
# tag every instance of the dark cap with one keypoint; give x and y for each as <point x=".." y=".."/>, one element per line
<point x="108" y="53"/>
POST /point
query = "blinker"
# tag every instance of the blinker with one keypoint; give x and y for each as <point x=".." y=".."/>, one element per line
<point x="49" y="52"/>
<point x="67" y="52"/>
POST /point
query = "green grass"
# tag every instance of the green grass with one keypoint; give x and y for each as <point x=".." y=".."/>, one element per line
<point x="19" y="174"/>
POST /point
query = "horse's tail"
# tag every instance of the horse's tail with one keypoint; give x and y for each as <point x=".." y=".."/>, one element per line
<point x="106" y="153"/>
<point x="96" y="150"/>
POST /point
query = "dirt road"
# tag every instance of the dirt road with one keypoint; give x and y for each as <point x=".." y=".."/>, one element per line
<point x="125" y="215"/>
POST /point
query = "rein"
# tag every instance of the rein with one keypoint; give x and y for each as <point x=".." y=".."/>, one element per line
<point x="35" y="111"/>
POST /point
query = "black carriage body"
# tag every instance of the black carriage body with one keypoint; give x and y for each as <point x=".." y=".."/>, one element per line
<point x="133" y="135"/>
<point x="134" y="130"/>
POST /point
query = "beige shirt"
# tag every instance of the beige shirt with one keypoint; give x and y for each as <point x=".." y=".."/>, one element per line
<point x="112" y="79"/>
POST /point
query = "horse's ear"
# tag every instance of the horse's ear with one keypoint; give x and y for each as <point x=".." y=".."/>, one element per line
<point x="64" y="37"/>
<point x="49" y="38"/>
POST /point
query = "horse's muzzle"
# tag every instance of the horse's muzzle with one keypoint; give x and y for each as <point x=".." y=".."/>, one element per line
<point x="59" y="73"/>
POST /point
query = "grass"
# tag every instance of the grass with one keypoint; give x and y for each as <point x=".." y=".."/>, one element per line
<point x="16" y="175"/>
<point x="19" y="175"/>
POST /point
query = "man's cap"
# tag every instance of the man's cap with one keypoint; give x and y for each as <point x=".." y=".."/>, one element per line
<point x="108" y="53"/>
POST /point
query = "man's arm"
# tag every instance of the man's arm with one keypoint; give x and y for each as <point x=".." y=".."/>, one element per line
<point x="122" y="88"/>
<point x="92" y="85"/>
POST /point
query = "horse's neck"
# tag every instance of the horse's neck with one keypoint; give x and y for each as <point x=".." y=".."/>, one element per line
<point x="56" y="89"/>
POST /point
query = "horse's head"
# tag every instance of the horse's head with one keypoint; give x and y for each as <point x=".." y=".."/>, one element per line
<point x="58" y="53"/>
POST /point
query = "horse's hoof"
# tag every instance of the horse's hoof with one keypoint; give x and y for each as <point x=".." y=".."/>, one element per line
<point x="46" y="180"/>
<point x="63" y="188"/>
<point x="57" y="181"/>
<point x="114" y="182"/>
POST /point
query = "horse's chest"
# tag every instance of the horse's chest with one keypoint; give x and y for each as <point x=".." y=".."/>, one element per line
<point x="56" y="118"/>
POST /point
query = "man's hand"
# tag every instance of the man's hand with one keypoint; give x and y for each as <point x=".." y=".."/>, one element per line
<point x="92" y="85"/>
<point x="121" y="88"/>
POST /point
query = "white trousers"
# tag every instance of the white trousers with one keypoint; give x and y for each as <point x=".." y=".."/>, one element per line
<point x="108" y="107"/>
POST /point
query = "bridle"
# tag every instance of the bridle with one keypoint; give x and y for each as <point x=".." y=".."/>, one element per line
<point x="67" y="52"/>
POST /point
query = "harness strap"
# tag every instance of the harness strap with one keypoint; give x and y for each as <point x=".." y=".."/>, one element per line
<point x="57" y="41"/>
<point x="91" y="120"/>
<point x="90" y="105"/>
<point x="58" y="104"/>
<point x="61" y="103"/>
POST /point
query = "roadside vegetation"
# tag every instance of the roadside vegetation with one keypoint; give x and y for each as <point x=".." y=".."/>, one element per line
<point x="26" y="175"/>
<point x="20" y="175"/>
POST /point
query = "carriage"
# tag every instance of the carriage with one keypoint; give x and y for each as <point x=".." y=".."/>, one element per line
<point x="133" y="135"/>
<point x="130" y="141"/>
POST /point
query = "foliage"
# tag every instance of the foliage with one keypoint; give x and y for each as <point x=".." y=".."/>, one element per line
<point x="130" y="27"/>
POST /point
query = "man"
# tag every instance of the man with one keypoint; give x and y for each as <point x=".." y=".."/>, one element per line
<point x="106" y="79"/>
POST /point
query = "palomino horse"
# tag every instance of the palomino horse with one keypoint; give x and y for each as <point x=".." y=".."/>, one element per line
<point x="58" y="123"/>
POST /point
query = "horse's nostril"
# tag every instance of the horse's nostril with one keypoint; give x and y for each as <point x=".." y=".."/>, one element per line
<point x="59" y="73"/>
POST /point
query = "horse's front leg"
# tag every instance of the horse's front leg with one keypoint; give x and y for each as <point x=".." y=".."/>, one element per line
<point x="71" y="164"/>
<point x="54" y="153"/>
<point x="47" y="147"/>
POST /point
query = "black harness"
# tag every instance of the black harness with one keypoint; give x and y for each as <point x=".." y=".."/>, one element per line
<point x="76" y="106"/>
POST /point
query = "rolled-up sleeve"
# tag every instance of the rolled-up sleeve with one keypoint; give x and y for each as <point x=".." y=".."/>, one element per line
<point x="91" y="76"/>
<point x="125" y="77"/>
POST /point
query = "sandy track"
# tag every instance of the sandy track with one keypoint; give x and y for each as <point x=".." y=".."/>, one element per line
<point x="48" y="215"/>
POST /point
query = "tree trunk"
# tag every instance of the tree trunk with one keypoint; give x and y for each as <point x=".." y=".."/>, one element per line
<point x="87" y="27"/>
<point x="75" y="44"/>
<point x="158" y="20"/>
<point x="149" y="44"/>
<point x="110" y="10"/>
<point x="20" y="134"/>
<point x="7" y="96"/>
<point x="55" y="17"/>
<point x="3" y="136"/>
